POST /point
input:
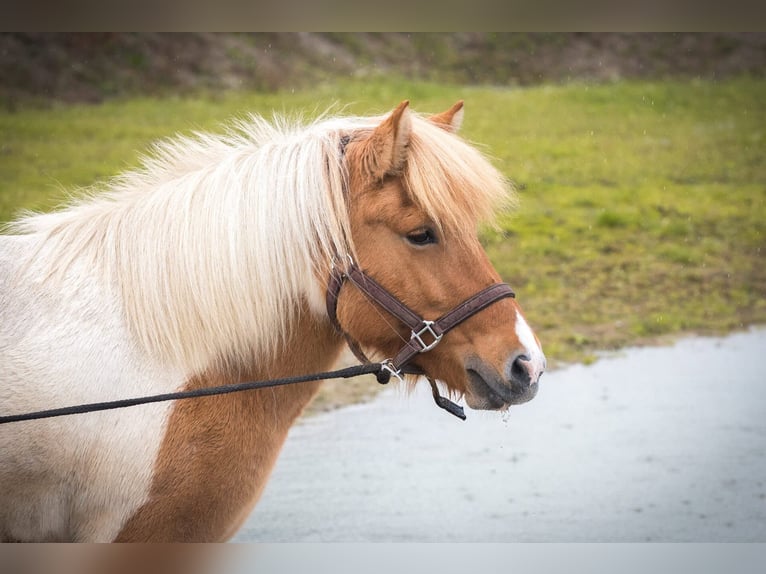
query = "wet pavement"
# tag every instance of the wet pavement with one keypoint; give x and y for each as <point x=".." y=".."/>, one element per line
<point x="653" y="444"/>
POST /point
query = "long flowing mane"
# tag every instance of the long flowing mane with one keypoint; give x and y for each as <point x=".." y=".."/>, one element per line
<point x="214" y="245"/>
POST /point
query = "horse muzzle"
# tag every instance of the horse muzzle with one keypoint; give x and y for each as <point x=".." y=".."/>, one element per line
<point x="516" y="382"/>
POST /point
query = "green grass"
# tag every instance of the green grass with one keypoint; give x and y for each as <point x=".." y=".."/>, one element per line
<point x="643" y="205"/>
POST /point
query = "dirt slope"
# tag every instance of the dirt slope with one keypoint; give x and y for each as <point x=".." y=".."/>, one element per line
<point x="92" y="67"/>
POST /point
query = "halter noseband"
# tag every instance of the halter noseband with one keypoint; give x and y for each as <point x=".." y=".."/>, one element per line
<point x="425" y="334"/>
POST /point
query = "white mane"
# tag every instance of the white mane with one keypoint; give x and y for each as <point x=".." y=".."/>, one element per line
<point x="215" y="244"/>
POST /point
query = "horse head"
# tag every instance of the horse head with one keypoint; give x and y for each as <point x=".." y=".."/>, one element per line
<point x="416" y="195"/>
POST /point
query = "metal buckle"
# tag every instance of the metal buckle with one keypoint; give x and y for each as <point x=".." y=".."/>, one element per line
<point x="429" y="330"/>
<point x="388" y="365"/>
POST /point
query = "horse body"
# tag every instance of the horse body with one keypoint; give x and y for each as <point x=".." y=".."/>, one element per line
<point x="208" y="267"/>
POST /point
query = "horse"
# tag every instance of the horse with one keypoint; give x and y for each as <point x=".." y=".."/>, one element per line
<point x="209" y="264"/>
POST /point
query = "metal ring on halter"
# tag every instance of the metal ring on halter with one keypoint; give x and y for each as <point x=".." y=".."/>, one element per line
<point x="388" y="365"/>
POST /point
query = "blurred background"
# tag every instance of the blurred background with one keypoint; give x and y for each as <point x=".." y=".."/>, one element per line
<point x="92" y="67"/>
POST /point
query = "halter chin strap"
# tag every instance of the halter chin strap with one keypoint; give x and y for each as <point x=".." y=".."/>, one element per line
<point x="425" y="334"/>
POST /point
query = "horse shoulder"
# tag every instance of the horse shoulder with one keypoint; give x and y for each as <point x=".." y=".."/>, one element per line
<point x="218" y="452"/>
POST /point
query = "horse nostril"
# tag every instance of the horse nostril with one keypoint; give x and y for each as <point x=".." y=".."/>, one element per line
<point x="520" y="372"/>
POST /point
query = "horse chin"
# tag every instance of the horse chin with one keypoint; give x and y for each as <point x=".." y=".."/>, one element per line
<point x="491" y="394"/>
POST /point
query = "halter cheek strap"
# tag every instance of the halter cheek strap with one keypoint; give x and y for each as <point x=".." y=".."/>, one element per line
<point x="425" y="334"/>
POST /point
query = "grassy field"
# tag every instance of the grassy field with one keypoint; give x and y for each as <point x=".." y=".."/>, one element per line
<point x="642" y="205"/>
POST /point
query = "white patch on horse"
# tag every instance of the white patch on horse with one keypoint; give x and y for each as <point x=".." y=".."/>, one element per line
<point x="78" y="477"/>
<point x="532" y="347"/>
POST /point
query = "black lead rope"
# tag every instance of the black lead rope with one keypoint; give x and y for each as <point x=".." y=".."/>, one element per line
<point x="377" y="369"/>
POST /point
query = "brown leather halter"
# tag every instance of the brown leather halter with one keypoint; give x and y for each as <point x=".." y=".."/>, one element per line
<point x="425" y="334"/>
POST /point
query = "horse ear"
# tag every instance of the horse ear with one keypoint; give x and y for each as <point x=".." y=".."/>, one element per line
<point x="386" y="148"/>
<point x="452" y="119"/>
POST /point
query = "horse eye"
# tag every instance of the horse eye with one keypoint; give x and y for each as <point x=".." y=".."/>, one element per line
<point x="422" y="237"/>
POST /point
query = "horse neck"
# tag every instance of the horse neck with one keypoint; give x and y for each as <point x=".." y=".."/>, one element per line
<point x="313" y="345"/>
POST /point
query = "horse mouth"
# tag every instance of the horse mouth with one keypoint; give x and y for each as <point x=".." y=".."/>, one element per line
<point x="487" y="391"/>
